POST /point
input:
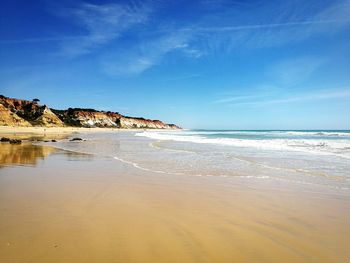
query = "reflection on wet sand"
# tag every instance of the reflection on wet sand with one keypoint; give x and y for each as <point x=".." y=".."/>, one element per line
<point x="29" y="154"/>
<point x="23" y="154"/>
<point x="35" y="137"/>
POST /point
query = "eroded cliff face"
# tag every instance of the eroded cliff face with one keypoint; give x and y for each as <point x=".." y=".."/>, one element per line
<point x="130" y="122"/>
<point x="93" y="118"/>
<point x="8" y="118"/>
<point x="47" y="118"/>
<point x="31" y="112"/>
<point x="89" y="118"/>
<point x="17" y="112"/>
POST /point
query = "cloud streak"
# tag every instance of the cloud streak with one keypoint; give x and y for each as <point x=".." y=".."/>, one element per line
<point x="230" y="99"/>
<point x="326" y="94"/>
<point x="102" y="23"/>
<point x="145" y="55"/>
<point x="294" y="71"/>
<point x="39" y="40"/>
<point x="99" y="25"/>
<point x="278" y="25"/>
<point x="273" y="25"/>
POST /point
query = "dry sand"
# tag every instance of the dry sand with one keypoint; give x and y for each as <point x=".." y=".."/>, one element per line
<point x="58" y="206"/>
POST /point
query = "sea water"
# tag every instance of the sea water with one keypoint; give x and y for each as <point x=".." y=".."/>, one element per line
<point x="313" y="157"/>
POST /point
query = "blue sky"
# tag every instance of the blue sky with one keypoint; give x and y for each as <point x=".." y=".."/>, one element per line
<point x="200" y="64"/>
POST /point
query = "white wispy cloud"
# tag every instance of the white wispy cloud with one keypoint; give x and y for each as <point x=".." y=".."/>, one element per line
<point x="196" y="40"/>
<point x="315" y="95"/>
<point x="39" y="39"/>
<point x="230" y="99"/>
<point x="102" y="23"/>
<point x="281" y="76"/>
<point x="272" y="25"/>
<point x="279" y="23"/>
<point x="144" y="55"/>
<point x="293" y="71"/>
<point x="237" y="25"/>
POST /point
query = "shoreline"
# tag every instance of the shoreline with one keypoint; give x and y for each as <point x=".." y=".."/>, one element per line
<point x="64" y="206"/>
<point x="41" y="130"/>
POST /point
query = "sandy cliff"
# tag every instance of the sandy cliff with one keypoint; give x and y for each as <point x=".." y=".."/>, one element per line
<point x="93" y="118"/>
<point x="130" y="122"/>
<point x="48" y="119"/>
<point x="88" y="118"/>
<point x="8" y="118"/>
<point x="32" y="112"/>
<point x="16" y="112"/>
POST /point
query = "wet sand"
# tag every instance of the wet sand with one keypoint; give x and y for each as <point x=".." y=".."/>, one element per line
<point x="59" y="206"/>
<point x="49" y="130"/>
<point x="57" y="131"/>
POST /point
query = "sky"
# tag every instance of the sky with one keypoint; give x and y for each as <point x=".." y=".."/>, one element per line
<point x="211" y="64"/>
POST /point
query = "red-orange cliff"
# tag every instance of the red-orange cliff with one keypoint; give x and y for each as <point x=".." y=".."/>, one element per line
<point x="16" y="112"/>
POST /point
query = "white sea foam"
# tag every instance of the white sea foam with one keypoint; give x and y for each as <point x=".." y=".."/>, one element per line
<point x="241" y="158"/>
<point x="137" y="166"/>
<point x="170" y="150"/>
<point x="317" y="133"/>
<point x="339" y="147"/>
<point x="265" y="133"/>
<point x="144" y="168"/>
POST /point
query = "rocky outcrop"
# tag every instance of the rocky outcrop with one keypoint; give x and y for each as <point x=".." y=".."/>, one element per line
<point x="92" y="118"/>
<point x="8" y="118"/>
<point x="130" y="122"/>
<point x="89" y="118"/>
<point x="32" y="112"/>
<point x="14" y="104"/>
<point x="47" y="118"/>
<point x="27" y="113"/>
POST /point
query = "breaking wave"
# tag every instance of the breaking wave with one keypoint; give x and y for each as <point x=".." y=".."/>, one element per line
<point x="321" y="145"/>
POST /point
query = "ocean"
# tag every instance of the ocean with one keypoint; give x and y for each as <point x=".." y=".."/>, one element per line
<point x="313" y="141"/>
<point x="312" y="157"/>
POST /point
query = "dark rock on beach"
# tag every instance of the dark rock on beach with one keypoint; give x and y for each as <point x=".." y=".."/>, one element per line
<point x="15" y="141"/>
<point x="12" y="141"/>
<point x="76" y="139"/>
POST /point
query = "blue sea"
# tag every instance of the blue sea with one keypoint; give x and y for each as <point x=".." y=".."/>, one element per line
<point x="308" y="157"/>
<point x="334" y="142"/>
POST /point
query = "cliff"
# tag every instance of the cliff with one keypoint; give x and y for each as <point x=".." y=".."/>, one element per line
<point x="8" y="118"/>
<point x="16" y="112"/>
<point x="89" y="118"/>
<point x="130" y="122"/>
<point x="47" y="118"/>
<point x="31" y="112"/>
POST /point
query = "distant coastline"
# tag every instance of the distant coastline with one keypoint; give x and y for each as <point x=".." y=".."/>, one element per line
<point x="26" y="113"/>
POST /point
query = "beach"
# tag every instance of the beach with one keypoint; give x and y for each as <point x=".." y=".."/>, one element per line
<point x="125" y="196"/>
<point x="208" y="131"/>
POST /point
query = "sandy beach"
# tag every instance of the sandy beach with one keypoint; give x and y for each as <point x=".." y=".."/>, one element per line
<point x="209" y="131"/>
<point x="64" y="206"/>
<point x="56" y="131"/>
